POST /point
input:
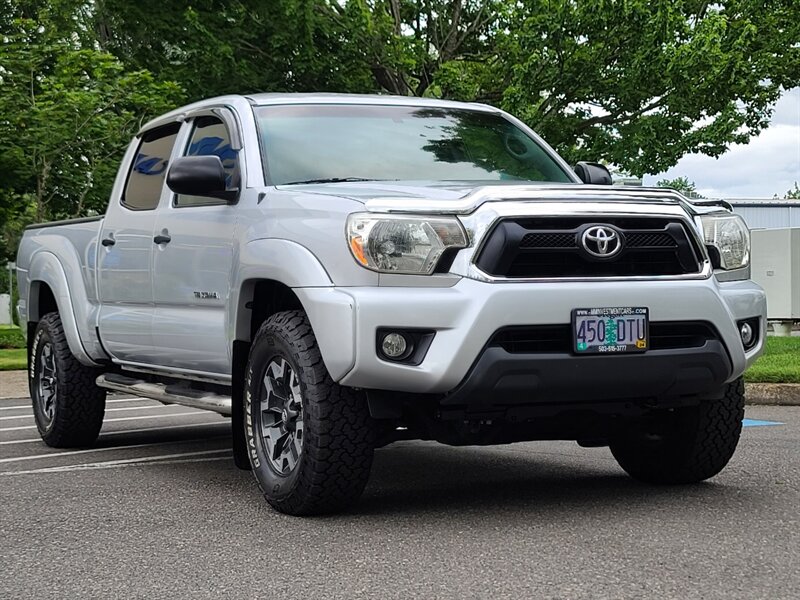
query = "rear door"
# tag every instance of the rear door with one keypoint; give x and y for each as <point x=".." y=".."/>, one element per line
<point x="125" y="283"/>
<point x="193" y="267"/>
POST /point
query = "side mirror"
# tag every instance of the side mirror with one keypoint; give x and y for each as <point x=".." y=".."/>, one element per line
<point x="593" y="173"/>
<point x="200" y="176"/>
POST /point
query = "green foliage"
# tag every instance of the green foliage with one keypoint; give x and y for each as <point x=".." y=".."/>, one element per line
<point x="794" y="193"/>
<point x="68" y="111"/>
<point x="779" y="364"/>
<point x="682" y="185"/>
<point x="13" y="360"/>
<point x="634" y="83"/>
<point x="11" y="337"/>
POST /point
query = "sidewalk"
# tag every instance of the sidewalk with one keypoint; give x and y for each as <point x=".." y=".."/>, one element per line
<point x="14" y="384"/>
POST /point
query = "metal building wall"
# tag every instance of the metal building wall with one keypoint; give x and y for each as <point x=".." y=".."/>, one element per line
<point x="768" y="215"/>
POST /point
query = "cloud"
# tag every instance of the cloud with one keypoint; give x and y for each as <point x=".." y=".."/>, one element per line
<point x="768" y="165"/>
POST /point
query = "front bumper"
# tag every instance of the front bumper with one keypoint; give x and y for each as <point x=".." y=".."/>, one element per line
<point x="466" y="315"/>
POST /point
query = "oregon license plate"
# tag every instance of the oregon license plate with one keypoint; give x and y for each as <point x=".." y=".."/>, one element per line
<point x="596" y="330"/>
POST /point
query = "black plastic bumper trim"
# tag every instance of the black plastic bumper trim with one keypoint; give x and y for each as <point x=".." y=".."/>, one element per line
<point x="501" y="379"/>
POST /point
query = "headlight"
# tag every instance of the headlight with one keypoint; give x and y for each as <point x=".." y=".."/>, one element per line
<point x="402" y="244"/>
<point x="730" y="236"/>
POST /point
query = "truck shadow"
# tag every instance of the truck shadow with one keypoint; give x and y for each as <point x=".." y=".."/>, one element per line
<point x="426" y="479"/>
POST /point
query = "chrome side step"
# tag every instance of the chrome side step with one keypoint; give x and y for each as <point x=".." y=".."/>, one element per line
<point x="167" y="393"/>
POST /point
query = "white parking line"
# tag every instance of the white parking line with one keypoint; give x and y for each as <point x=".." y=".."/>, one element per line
<point x="124" y="431"/>
<point x="109" y="464"/>
<point x="183" y="414"/>
<point x="114" y="401"/>
<point x="108" y="410"/>
<point x="71" y="452"/>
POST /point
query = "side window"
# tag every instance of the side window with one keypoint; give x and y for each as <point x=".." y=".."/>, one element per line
<point x="210" y="137"/>
<point x="149" y="168"/>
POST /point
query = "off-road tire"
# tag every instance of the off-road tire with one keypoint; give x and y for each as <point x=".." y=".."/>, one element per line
<point x="338" y="433"/>
<point x="692" y="444"/>
<point x="79" y="405"/>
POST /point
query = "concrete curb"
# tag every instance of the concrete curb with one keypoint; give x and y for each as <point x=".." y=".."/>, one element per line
<point x="14" y="384"/>
<point x="783" y="394"/>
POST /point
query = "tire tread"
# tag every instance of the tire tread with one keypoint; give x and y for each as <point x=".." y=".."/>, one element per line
<point x="80" y="403"/>
<point x="339" y="435"/>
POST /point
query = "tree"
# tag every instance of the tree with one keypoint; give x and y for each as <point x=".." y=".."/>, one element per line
<point x="68" y="111"/>
<point x="793" y="193"/>
<point x="635" y="83"/>
<point x="680" y="184"/>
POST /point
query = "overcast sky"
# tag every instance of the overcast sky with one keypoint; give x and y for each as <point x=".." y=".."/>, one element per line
<point x="768" y="165"/>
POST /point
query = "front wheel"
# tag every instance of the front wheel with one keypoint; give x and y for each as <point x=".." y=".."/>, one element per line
<point x="68" y="407"/>
<point x="310" y="441"/>
<point x="686" y="445"/>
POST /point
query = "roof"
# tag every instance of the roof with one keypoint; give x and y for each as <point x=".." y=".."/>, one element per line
<point x="385" y="99"/>
<point x="179" y="114"/>
<point x="764" y="202"/>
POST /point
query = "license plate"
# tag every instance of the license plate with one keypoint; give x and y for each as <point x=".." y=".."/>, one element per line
<point x="611" y="330"/>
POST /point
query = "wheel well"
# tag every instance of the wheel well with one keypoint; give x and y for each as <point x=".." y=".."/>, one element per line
<point x="41" y="301"/>
<point x="258" y="300"/>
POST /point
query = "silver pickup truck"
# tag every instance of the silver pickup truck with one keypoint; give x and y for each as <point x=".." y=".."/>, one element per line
<point x="336" y="273"/>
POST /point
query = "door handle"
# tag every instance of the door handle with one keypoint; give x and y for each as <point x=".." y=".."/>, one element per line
<point x="162" y="239"/>
<point x="108" y="242"/>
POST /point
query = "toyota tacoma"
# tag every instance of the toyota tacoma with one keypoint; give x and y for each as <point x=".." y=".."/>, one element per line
<point x="336" y="273"/>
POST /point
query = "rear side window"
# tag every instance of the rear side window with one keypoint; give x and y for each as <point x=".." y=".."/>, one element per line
<point x="149" y="168"/>
<point x="210" y="137"/>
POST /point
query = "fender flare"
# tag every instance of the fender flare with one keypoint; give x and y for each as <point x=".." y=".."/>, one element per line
<point x="296" y="267"/>
<point x="46" y="268"/>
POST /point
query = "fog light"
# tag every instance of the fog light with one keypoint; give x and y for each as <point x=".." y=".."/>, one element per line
<point x="746" y="331"/>
<point x="394" y="345"/>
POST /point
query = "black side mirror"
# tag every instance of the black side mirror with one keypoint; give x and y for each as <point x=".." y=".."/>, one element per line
<point x="200" y="176"/>
<point x="592" y="172"/>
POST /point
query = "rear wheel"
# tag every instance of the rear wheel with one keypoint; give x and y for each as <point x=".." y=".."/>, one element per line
<point x="686" y="445"/>
<point x="68" y="407"/>
<point x="310" y="441"/>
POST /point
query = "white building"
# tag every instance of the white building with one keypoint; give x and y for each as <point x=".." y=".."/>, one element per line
<point x="767" y="214"/>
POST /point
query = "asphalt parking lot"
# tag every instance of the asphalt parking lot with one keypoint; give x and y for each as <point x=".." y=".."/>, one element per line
<point x="157" y="509"/>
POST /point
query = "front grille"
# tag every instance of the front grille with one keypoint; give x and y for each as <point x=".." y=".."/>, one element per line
<point x="550" y="247"/>
<point x="544" y="339"/>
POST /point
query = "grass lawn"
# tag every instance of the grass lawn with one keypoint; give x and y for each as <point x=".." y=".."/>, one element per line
<point x="11" y="337"/>
<point x="779" y="364"/>
<point x="12" y="359"/>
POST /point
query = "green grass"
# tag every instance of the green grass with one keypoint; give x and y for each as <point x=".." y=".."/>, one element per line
<point x="779" y="364"/>
<point x="11" y="337"/>
<point x="12" y="359"/>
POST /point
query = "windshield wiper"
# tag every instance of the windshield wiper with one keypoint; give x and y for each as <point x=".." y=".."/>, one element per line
<point x="332" y="180"/>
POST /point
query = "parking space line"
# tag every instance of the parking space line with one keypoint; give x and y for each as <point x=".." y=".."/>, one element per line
<point x="758" y="423"/>
<point x="114" y="401"/>
<point x="106" y="449"/>
<point x="182" y="414"/>
<point x="108" y="464"/>
<point x="104" y="435"/>
<point x="108" y="410"/>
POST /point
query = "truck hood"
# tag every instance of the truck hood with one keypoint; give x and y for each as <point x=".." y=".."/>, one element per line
<point x="463" y="197"/>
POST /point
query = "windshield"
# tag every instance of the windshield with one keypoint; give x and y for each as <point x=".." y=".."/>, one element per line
<point x="329" y="142"/>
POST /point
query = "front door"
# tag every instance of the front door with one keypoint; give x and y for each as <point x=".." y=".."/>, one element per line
<point x="193" y="266"/>
<point x="125" y="283"/>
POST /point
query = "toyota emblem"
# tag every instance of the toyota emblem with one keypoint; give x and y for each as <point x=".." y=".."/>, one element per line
<point x="601" y="241"/>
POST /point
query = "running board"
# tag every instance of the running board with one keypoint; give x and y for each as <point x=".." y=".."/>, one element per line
<point x="167" y="393"/>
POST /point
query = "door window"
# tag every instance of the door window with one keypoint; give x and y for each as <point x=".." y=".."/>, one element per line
<point x="210" y="137"/>
<point x="149" y="168"/>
